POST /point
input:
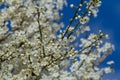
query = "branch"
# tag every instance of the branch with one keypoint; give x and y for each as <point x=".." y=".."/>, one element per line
<point x="71" y="21"/>
<point x="40" y="31"/>
<point x="79" y="21"/>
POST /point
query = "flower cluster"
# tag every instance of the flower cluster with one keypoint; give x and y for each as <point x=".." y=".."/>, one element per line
<point x="32" y="50"/>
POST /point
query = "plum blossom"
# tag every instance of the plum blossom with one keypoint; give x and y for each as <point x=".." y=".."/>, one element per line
<point x="40" y="47"/>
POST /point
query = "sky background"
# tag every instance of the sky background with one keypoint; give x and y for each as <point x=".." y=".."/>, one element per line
<point x="108" y="21"/>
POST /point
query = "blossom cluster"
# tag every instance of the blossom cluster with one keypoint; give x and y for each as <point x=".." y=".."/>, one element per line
<point x="33" y="50"/>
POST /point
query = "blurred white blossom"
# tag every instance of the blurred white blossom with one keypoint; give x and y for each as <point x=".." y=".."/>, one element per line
<point x="38" y="47"/>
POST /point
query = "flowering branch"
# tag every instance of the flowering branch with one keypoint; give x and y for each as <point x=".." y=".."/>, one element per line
<point x="35" y="51"/>
<point x="40" y="31"/>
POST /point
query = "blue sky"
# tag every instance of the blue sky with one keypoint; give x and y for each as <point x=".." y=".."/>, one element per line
<point x="108" y="21"/>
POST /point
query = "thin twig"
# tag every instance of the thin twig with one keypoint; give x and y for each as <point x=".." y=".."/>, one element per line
<point x="72" y="19"/>
<point x="76" y="26"/>
<point x="40" y="31"/>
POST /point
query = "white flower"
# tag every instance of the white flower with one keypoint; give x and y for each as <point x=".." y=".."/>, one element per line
<point x="72" y="5"/>
<point x="84" y="20"/>
<point x="75" y="66"/>
<point x="94" y="12"/>
<point x="107" y="70"/>
<point x="85" y="42"/>
<point x="95" y="76"/>
<point x="106" y="36"/>
<point x="49" y="1"/>
<point x="107" y="46"/>
<point x="110" y="62"/>
<point x="92" y="37"/>
<point x="55" y="74"/>
<point x="71" y="28"/>
<point x="83" y="56"/>
<point x="72" y="38"/>
<point x="36" y="49"/>
<point x="84" y="29"/>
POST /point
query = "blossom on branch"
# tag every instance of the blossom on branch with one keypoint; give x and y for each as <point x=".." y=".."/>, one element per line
<point x="35" y="48"/>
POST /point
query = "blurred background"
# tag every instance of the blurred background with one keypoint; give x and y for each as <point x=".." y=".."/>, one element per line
<point x="108" y="20"/>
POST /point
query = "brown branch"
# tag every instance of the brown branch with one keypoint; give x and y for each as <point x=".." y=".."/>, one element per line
<point x="40" y="31"/>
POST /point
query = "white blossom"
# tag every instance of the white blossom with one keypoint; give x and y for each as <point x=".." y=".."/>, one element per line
<point x="39" y="47"/>
<point x="110" y="62"/>
<point x="107" y="70"/>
